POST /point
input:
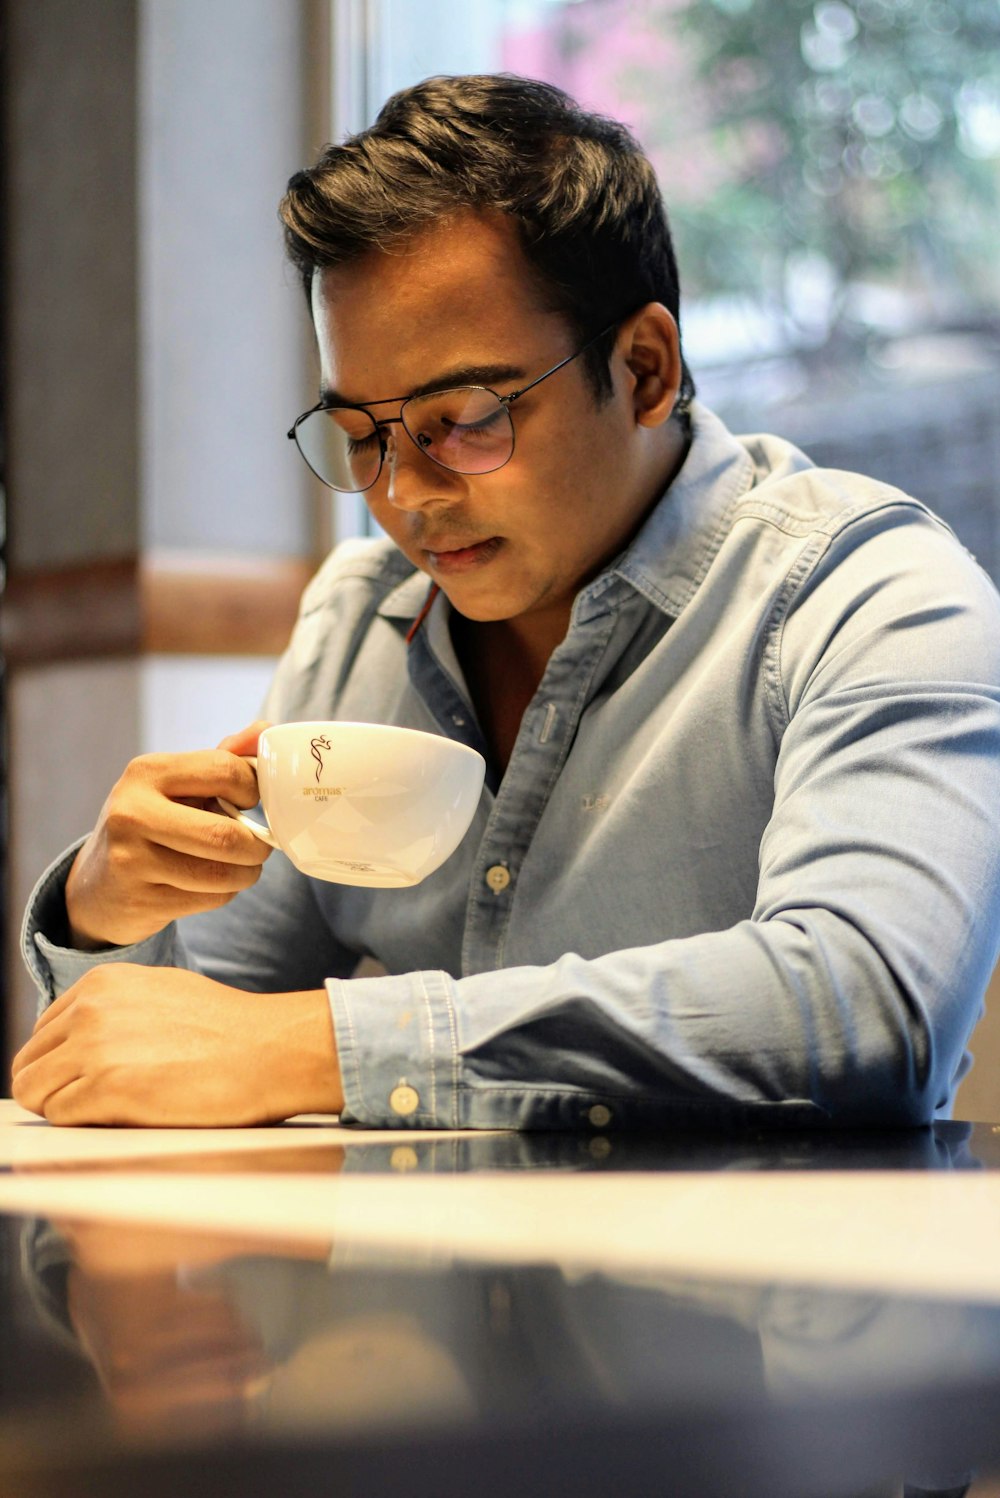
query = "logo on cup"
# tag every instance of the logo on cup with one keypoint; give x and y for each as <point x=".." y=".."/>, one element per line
<point x="315" y="745"/>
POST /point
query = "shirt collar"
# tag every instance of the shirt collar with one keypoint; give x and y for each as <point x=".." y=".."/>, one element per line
<point x="406" y="600"/>
<point x="673" y="550"/>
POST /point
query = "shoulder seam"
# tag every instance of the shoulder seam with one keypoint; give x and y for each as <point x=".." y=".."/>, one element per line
<point x="881" y="497"/>
<point x="380" y="564"/>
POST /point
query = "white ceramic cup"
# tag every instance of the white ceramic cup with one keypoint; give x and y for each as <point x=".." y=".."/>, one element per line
<point x="363" y="803"/>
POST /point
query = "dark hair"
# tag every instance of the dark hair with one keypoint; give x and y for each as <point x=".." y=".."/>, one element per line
<point x="578" y="186"/>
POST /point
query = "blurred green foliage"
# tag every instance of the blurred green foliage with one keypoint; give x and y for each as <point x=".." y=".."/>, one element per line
<point x="858" y="137"/>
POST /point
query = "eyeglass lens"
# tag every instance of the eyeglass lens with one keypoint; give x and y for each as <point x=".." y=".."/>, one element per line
<point x="467" y="430"/>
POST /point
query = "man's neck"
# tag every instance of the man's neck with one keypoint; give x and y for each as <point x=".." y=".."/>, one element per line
<point x="527" y="642"/>
<point x="503" y="662"/>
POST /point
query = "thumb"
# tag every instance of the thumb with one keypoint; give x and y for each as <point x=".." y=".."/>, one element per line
<point x="245" y="740"/>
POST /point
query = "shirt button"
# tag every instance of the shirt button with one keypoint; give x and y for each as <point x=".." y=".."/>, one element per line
<point x="599" y="1116"/>
<point x="404" y="1100"/>
<point x="498" y="878"/>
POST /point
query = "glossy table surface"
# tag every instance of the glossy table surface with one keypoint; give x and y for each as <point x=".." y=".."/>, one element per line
<point x="315" y="1309"/>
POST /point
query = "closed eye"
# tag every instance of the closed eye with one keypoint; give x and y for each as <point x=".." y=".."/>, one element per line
<point x="482" y="425"/>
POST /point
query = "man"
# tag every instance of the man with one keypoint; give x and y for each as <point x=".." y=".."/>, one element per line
<point x="738" y="855"/>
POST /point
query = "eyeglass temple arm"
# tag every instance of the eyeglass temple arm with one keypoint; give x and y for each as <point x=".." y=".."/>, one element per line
<point x="505" y="400"/>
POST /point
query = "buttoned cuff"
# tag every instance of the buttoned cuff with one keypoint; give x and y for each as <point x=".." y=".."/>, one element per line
<point x="405" y="1061"/>
<point x="56" y="966"/>
<point x="397" y="1044"/>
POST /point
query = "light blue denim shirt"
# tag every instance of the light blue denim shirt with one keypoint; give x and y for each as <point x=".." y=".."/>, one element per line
<point x="745" y="858"/>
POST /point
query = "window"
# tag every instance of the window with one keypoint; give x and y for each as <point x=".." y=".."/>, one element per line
<point x="832" y="173"/>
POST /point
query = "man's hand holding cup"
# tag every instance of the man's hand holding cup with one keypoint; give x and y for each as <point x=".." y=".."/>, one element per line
<point x="161" y="850"/>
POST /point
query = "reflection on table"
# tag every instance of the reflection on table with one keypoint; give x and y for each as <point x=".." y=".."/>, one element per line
<point x="159" y="1351"/>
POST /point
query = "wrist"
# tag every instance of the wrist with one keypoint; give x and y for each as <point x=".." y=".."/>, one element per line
<point x="79" y="940"/>
<point x="95" y="924"/>
<point x="79" y="935"/>
<point x="305" y="1077"/>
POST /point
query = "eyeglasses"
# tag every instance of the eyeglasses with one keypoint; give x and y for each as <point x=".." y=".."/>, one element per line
<point x="468" y="429"/>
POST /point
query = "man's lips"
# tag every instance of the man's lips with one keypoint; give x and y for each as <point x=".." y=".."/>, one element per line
<point x="450" y="558"/>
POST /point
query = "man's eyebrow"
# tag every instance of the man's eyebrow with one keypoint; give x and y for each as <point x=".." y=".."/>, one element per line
<point x="466" y="374"/>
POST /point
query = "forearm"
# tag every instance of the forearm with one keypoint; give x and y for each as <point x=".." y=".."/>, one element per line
<point x="796" y="1022"/>
<point x="163" y="1047"/>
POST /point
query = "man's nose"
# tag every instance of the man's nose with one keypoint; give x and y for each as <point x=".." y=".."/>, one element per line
<point x="414" y="479"/>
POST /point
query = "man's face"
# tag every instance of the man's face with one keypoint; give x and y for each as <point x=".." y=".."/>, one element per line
<point x="457" y="305"/>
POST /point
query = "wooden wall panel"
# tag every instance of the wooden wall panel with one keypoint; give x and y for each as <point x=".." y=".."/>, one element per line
<point x="176" y="605"/>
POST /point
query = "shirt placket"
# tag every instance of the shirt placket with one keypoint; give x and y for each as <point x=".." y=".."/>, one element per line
<point x="546" y="736"/>
<point x="446" y="699"/>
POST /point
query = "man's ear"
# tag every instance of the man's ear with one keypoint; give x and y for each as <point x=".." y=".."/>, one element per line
<point x="649" y="343"/>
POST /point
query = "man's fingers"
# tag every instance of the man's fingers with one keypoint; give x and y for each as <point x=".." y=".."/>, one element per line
<point x="155" y="838"/>
<point x="190" y="875"/>
<point x="55" y="1011"/>
<point x="208" y="836"/>
<point x="36" y="1083"/>
<point x="244" y="741"/>
<point x="204" y="774"/>
<point x="46" y="1036"/>
<point x="65" y="1104"/>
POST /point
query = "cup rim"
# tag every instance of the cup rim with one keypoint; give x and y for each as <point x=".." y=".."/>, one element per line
<point x="378" y="728"/>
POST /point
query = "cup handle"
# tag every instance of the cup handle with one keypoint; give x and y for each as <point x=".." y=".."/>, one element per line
<point x="263" y="832"/>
